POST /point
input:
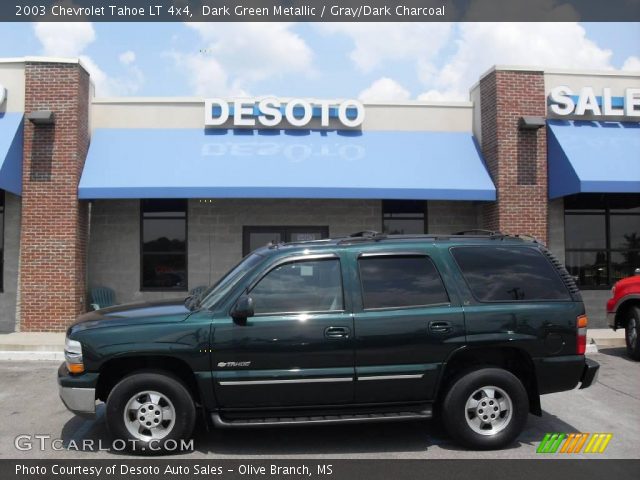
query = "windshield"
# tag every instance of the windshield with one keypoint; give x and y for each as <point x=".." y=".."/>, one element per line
<point x="218" y="290"/>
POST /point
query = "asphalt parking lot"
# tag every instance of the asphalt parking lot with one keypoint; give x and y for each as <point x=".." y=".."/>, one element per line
<point x="29" y="405"/>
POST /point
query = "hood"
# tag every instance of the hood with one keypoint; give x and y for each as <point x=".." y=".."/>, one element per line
<point x="133" y="313"/>
<point x="629" y="281"/>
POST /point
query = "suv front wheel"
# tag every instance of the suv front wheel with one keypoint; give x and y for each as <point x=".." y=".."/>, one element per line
<point x="485" y="409"/>
<point x="151" y="412"/>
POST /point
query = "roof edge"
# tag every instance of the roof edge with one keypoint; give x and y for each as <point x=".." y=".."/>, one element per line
<point x="556" y="71"/>
<point x="200" y="100"/>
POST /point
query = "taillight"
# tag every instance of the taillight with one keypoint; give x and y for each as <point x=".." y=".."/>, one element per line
<point x="581" y="334"/>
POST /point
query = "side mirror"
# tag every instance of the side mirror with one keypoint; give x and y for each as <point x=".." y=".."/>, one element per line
<point x="243" y="308"/>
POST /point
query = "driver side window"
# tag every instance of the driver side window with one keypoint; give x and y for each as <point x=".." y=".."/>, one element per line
<point x="300" y="286"/>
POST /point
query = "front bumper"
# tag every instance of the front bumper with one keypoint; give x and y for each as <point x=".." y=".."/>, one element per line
<point x="77" y="393"/>
<point x="589" y="373"/>
<point x="81" y="401"/>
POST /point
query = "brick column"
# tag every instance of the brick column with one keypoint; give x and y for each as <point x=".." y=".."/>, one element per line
<point x="54" y="223"/>
<point x="516" y="159"/>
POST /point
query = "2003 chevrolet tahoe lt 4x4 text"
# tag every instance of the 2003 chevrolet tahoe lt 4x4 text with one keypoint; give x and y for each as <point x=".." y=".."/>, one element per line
<point x="473" y="328"/>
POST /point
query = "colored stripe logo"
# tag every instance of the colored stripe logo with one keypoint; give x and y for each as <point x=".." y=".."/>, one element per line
<point x="574" y="443"/>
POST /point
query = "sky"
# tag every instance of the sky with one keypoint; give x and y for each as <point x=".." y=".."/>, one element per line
<point x="370" y="61"/>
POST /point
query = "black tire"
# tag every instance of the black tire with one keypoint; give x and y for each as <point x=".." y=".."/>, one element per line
<point x="508" y="427"/>
<point x="175" y="397"/>
<point x="632" y="333"/>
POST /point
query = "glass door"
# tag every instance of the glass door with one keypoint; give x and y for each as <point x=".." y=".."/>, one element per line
<point x="258" y="236"/>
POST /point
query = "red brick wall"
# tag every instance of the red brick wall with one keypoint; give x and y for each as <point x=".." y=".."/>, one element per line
<point x="54" y="223"/>
<point x="516" y="159"/>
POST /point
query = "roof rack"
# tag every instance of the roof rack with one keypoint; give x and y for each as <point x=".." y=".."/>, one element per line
<point x="373" y="236"/>
<point x="526" y="236"/>
<point x="274" y="245"/>
<point x="367" y="234"/>
<point x="363" y="236"/>
<point x="491" y="233"/>
<point x="479" y="231"/>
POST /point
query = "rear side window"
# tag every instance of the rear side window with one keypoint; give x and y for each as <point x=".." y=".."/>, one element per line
<point x="400" y="281"/>
<point x="506" y="274"/>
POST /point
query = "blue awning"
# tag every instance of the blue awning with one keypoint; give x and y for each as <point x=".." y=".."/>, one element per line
<point x="11" y="152"/>
<point x="587" y="156"/>
<point x="213" y="163"/>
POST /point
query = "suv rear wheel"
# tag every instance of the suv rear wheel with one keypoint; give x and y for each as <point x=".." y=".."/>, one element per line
<point x="150" y="412"/>
<point x="485" y="409"/>
<point x="632" y="331"/>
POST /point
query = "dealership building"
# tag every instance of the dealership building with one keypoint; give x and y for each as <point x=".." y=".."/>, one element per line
<point x="155" y="197"/>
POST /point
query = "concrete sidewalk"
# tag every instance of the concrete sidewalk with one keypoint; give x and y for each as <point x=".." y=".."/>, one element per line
<point x="50" y="346"/>
<point x="32" y="346"/>
<point x="606" y="338"/>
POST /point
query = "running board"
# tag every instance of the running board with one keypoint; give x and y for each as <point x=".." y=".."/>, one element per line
<point x="220" y="422"/>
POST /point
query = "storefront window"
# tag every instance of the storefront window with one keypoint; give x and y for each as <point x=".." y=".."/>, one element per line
<point x="602" y="237"/>
<point x="164" y="244"/>
<point x="404" y="217"/>
<point x="1" y="240"/>
<point x="256" y="237"/>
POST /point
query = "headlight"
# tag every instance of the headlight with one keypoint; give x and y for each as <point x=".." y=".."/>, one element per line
<point x="613" y="291"/>
<point x="73" y="355"/>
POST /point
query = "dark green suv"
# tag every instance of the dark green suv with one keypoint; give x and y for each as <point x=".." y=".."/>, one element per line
<point x="473" y="328"/>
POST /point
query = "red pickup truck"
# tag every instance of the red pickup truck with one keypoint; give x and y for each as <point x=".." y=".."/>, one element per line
<point x="623" y="311"/>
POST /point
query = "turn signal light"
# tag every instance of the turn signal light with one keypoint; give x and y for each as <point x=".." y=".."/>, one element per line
<point x="582" y="321"/>
<point x="581" y="334"/>
<point x="75" y="367"/>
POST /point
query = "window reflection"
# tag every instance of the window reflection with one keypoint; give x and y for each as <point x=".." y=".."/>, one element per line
<point x="404" y="217"/>
<point x="509" y="274"/>
<point x="400" y="281"/>
<point x="305" y="286"/>
<point x="589" y="268"/>
<point x="255" y="237"/>
<point x="602" y="237"/>
<point x="164" y="244"/>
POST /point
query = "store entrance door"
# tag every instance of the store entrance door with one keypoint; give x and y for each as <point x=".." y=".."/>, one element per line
<point x="259" y="236"/>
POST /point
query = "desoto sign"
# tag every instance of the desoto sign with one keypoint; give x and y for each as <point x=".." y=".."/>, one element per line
<point x="271" y="112"/>
<point x="563" y="101"/>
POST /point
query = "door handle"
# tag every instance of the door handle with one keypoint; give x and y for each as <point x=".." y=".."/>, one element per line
<point x="337" y="332"/>
<point x="440" y="327"/>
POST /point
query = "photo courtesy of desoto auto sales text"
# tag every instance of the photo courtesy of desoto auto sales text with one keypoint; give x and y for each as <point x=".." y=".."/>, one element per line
<point x="319" y="239"/>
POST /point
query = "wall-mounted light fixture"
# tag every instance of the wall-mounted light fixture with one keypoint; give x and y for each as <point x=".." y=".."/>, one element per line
<point x="41" y="117"/>
<point x="531" y="123"/>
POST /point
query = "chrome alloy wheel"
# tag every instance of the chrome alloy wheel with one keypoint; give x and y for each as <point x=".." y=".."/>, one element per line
<point x="488" y="410"/>
<point x="149" y="415"/>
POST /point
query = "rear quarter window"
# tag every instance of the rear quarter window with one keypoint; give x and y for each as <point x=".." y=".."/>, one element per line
<point x="508" y="274"/>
